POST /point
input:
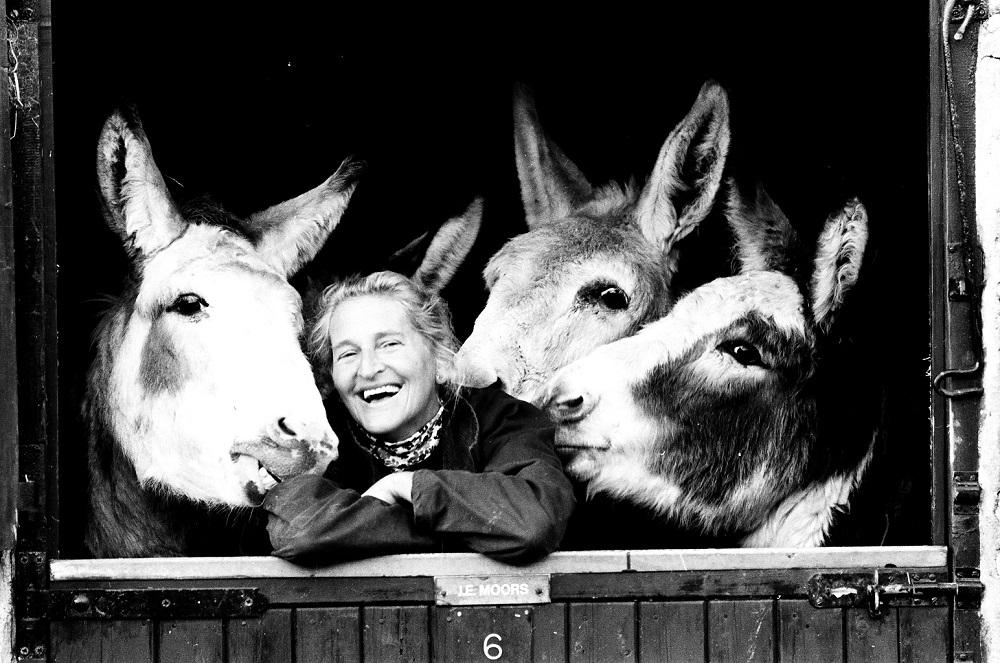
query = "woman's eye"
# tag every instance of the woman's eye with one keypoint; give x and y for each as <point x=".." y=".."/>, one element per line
<point x="188" y="304"/>
<point x="743" y="352"/>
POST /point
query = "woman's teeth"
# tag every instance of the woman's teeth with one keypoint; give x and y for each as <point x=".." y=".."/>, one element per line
<point x="385" y="391"/>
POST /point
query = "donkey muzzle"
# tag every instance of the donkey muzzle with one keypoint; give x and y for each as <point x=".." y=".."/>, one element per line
<point x="568" y="406"/>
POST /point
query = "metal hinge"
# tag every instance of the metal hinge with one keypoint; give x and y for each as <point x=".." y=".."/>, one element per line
<point x="964" y="12"/>
<point x="891" y="588"/>
<point x="966" y="493"/>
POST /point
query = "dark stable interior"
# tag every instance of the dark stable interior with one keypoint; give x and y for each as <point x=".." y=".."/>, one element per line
<point x="256" y="106"/>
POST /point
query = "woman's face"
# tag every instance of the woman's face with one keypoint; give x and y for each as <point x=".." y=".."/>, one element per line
<point x="383" y="369"/>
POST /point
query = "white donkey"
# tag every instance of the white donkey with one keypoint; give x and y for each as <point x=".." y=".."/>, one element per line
<point x="731" y="415"/>
<point x="199" y="379"/>
<point x="595" y="264"/>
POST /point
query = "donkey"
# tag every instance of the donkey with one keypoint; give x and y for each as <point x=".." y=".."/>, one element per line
<point x="728" y="416"/>
<point x="595" y="264"/>
<point x="198" y="379"/>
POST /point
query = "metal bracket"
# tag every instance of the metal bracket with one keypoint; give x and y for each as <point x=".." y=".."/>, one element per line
<point x="964" y="12"/>
<point x="889" y="588"/>
<point x="31" y="628"/>
<point x="967" y="492"/>
<point x="154" y="603"/>
<point x="957" y="372"/>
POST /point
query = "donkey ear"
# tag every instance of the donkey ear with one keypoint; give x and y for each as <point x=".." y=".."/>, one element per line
<point x="682" y="188"/>
<point x="765" y="239"/>
<point x="136" y="202"/>
<point x="449" y="248"/>
<point x="551" y="185"/>
<point x="839" y="251"/>
<point x="290" y="234"/>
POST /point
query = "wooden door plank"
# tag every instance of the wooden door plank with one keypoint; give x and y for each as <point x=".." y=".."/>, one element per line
<point x="93" y="641"/>
<point x="601" y="632"/>
<point x="266" y="639"/>
<point x="192" y="641"/>
<point x="808" y="635"/>
<point x="923" y="634"/>
<point x="477" y="633"/>
<point x="396" y="633"/>
<point x="869" y="638"/>
<point x="548" y="633"/>
<point x="327" y="635"/>
<point x="673" y="631"/>
<point x="741" y="631"/>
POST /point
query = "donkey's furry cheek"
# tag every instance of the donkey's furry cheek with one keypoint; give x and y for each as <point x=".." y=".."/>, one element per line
<point x="161" y="367"/>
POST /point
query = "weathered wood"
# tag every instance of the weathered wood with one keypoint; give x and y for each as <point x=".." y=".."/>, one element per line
<point x="93" y="641"/>
<point x="923" y="634"/>
<point x="871" y="639"/>
<point x="34" y="270"/>
<point x="47" y="151"/>
<point x="787" y="558"/>
<point x="917" y="557"/>
<point x="673" y="631"/>
<point x="548" y="633"/>
<point x="6" y="604"/>
<point x="601" y="632"/>
<point x="191" y="641"/>
<point x="741" y="631"/>
<point x="327" y="635"/>
<point x="8" y="368"/>
<point x="396" y="633"/>
<point x="808" y="635"/>
<point x="263" y="640"/>
<point x="470" y="633"/>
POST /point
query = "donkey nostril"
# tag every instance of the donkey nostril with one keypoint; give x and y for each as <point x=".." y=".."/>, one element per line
<point x="571" y="409"/>
<point x="285" y="428"/>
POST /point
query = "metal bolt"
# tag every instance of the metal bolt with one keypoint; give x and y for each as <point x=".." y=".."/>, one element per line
<point x="248" y="601"/>
<point x="24" y="651"/>
<point x="820" y="600"/>
<point x="39" y="650"/>
<point x="165" y="603"/>
<point x="81" y="602"/>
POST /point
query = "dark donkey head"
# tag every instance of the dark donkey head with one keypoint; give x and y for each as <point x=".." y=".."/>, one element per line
<point x="595" y="264"/>
<point x="727" y="415"/>
<point x="199" y="378"/>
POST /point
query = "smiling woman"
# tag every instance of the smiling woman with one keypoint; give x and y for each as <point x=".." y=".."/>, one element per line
<point x="424" y="465"/>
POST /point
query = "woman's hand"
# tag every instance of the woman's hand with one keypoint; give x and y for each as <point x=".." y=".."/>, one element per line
<point x="392" y="489"/>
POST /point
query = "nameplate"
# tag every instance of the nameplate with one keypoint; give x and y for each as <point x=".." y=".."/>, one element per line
<point x="491" y="590"/>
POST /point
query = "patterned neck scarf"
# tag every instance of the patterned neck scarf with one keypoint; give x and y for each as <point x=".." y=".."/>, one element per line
<point x="415" y="449"/>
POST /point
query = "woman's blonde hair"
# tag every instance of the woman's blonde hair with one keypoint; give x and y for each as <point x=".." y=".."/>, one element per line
<point x="426" y="311"/>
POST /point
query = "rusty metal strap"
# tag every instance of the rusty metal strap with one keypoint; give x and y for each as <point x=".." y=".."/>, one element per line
<point x="153" y="603"/>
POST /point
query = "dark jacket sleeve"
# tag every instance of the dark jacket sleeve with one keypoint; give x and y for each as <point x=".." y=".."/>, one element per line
<point x="312" y="519"/>
<point x="516" y="506"/>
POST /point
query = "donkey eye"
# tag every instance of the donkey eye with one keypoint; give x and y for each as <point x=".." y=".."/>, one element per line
<point x="743" y="352"/>
<point x="606" y="295"/>
<point x="614" y="298"/>
<point x="188" y="304"/>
